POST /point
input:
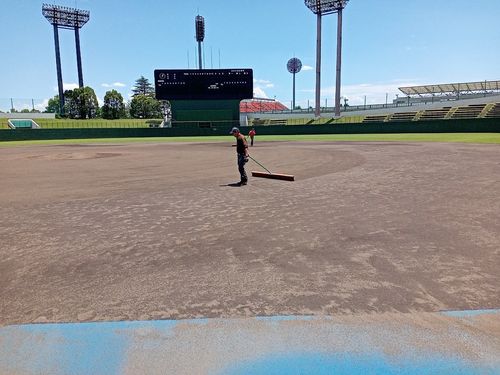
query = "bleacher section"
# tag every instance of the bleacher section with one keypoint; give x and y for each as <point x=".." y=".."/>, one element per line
<point x="494" y="111"/>
<point x="278" y="122"/>
<point x="378" y="118"/>
<point x="261" y="105"/>
<point x="402" y="116"/>
<point x="465" y="112"/>
<point x="470" y="111"/>
<point x="434" y="114"/>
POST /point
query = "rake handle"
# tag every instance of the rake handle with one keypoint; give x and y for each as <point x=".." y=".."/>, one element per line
<point x="268" y="171"/>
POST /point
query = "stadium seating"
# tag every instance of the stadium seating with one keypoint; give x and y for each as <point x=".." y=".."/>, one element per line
<point x="277" y="122"/>
<point x="402" y="116"/>
<point x="470" y="111"/>
<point x="258" y="121"/>
<point x="434" y="114"/>
<point x="494" y="111"/>
<point x="378" y="118"/>
<point x="258" y="105"/>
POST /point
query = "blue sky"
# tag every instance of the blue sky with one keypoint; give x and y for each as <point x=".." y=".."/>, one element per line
<point x="386" y="44"/>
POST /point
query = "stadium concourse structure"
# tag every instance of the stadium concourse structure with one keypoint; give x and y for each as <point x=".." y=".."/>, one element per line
<point x="451" y="91"/>
<point x="466" y="100"/>
<point x="478" y="102"/>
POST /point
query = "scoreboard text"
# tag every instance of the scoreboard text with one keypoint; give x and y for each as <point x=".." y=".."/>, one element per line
<point x="191" y="84"/>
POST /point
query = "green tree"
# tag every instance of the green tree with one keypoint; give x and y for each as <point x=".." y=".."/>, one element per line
<point x="145" y="106"/>
<point x="53" y="105"/>
<point x="143" y="87"/>
<point x="81" y="103"/>
<point x="113" y="107"/>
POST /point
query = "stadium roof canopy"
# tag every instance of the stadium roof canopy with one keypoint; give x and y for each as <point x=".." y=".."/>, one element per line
<point x="451" y="88"/>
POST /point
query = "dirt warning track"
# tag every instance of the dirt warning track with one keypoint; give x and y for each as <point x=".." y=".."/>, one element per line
<point x="154" y="231"/>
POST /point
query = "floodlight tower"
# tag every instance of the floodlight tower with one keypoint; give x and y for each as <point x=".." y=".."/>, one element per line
<point x="200" y="36"/>
<point x="294" y="66"/>
<point x="320" y="8"/>
<point x="66" y="18"/>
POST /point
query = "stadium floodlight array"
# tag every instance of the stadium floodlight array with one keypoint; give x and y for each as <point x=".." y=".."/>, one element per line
<point x="66" y="18"/>
<point x="324" y="7"/>
<point x="320" y="8"/>
<point x="294" y="66"/>
<point x="200" y="35"/>
<point x="200" y="28"/>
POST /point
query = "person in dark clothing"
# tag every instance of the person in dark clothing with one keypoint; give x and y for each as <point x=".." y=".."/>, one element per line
<point x="242" y="152"/>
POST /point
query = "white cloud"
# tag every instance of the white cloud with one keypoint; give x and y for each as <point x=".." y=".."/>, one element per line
<point x="307" y="67"/>
<point x="263" y="83"/>
<point x="375" y="92"/>
<point x="69" y="86"/>
<point x="41" y="106"/>
<point x="259" y="86"/>
<point x="258" y="92"/>
<point x="114" y="84"/>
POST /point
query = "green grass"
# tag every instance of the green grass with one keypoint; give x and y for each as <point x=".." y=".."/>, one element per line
<point x="310" y="121"/>
<point x="407" y="137"/>
<point x="138" y="123"/>
<point x="96" y="123"/>
<point x="414" y="137"/>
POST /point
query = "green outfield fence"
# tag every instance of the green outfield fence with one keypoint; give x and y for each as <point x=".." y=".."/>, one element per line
<point x="201" y="129"/>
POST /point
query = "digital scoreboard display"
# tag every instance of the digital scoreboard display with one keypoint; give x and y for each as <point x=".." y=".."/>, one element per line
<point x="204" y="84"/>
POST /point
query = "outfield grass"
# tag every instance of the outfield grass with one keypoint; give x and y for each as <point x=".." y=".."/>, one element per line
<point x="138" y="123"/>
<point x="95" y="123"/>
<point x="493" y="138"/>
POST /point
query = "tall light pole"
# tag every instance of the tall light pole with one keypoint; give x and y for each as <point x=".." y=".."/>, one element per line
<point x="66" y="18"/>
<point x="200" y="36"/>
<point x="320" y="8"/>
<point x="294" y="66"/>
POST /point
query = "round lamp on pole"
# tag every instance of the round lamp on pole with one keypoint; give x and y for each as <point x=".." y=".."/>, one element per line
<point x="294" y="66"/>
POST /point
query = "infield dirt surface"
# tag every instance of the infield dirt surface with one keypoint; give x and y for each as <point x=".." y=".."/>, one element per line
<point x="155" y="231"/>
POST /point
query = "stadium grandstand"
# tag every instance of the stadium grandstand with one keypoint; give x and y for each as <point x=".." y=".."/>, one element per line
<point x="472" y="111"/>
<point x="448" y="91"/>
<point x="261" y="105"/>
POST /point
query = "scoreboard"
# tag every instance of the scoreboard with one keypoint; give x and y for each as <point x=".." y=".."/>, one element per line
<point x="203" y="84"/>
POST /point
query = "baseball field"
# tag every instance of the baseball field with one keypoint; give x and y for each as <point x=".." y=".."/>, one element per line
<point x="116" y="231"/>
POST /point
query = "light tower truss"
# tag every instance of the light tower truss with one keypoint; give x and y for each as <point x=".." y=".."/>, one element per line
<point x="72" y="19"/>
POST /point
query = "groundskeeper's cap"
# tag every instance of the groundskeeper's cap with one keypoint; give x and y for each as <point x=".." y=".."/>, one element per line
<point x="234" y="130"/>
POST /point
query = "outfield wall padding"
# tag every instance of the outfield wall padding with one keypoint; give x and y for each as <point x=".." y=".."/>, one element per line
<point x="436" y="126"/>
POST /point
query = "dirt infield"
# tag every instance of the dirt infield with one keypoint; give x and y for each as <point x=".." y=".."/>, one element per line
<point x="153" y="231"/>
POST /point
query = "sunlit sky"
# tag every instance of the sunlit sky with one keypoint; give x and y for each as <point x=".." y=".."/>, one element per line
<point x="386" y="44"/>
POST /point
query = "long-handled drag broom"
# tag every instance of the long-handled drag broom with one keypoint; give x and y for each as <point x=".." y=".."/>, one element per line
<point x="276" y="176"/>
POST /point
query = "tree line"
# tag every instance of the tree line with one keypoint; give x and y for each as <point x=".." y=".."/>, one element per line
<point x="81" y="103"/>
